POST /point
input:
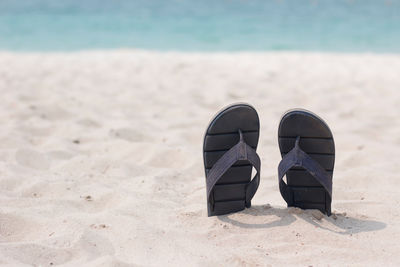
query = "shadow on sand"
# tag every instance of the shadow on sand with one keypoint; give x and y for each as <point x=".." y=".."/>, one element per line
<point x="337" y="223"/>
<point x="284" y="217"/>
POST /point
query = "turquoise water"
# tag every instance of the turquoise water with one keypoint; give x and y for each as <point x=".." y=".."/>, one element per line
<point x="202" y="25"/>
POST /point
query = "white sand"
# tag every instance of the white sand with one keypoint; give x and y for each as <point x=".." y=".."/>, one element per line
<point x="101" y="161"/>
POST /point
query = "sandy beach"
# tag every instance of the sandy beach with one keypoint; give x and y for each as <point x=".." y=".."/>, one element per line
<point x="101" y="159"/>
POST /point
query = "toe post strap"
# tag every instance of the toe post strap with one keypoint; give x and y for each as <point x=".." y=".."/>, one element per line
<point x="298" y="158"/>
<point x="239" y="152"/>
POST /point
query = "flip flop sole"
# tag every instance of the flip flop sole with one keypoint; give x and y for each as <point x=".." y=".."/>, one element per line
<point x="222" y="134"/>
<point x="317" y="141"/>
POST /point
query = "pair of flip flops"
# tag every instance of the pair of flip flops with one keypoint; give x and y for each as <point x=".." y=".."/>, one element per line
<point x="229" y="151"/>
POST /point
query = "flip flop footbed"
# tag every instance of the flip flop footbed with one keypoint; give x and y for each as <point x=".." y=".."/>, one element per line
<point x="317" y="141"/>
<point x="222" y="134"/>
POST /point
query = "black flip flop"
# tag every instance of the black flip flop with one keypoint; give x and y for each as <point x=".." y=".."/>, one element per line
<point x="229" y="152"/>
<point x="308" y="157"/>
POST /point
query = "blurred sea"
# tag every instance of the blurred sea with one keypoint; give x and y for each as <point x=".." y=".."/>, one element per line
<point x="201" y="25"/>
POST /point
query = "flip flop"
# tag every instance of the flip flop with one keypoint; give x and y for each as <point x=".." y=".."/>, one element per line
<point x="308" y="157"/>
<point x="229" y="153"/>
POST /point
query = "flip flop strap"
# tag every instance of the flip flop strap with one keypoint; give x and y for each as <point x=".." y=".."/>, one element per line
<point x="239" y="152"/>
<point x="298" y="158"/>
